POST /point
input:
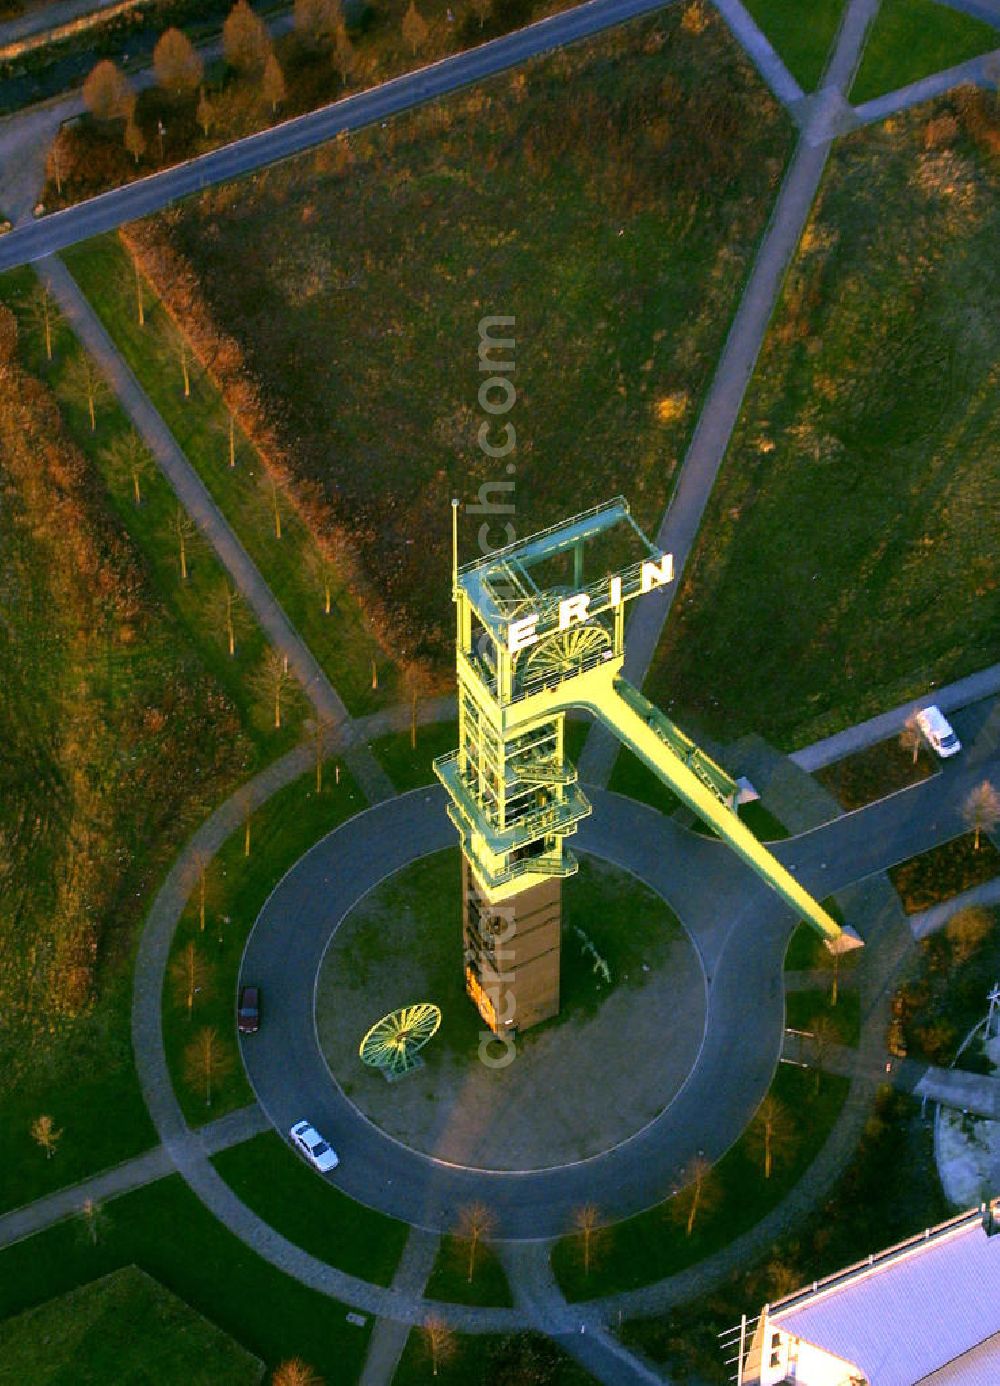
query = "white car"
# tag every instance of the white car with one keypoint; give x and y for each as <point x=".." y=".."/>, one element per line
<point x="937" y="732"/>
<point x="308" y="1141"/>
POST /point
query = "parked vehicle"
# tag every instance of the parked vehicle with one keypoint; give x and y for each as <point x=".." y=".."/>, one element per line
<point x="937" y="732"/>
<point x="248" y="1011"/>
<point x="309" y="1143"/>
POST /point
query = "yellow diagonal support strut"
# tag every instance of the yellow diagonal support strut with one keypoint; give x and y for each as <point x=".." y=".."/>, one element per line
<point x="636" y="723"/>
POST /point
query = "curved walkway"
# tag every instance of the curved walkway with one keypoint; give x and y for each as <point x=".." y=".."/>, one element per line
<point x="739" y="930"/>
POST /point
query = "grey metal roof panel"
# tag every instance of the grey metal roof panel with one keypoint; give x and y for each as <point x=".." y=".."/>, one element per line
<point x="908" y="1316"/>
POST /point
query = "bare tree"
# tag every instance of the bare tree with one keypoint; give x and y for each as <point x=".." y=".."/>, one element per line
<point x="106" y="92"/>
<point x="246" y="804"/>
<point x="966" y="932"/>
<point x="226" y="428"/>
<point x="206" y="1062"/>
<point x="824" y="1036"/>
<point x="482" y="9"/>
<point x="981" y="810"/>
<point x="135" y="140"/>
<point x="272" y="83"/>
<point x="440" y="1341"/>
<point x="276" y="508"/>
<point x="205" y="113"/>
<point x="41" y="313"/>
<point x="374" y="675"/>
<point x="276" y="679"/>
<point x="585" y="1223"/>
<point x="699" y="1192"/>
<point x="44" y="1134"/>
<point x="345" y="56"/>
<point x="911" y="737"/>
<point x="415" y="30"/>
<point x="202" y="861"/>
<point x="184" y="357"/>
<point x="245" y="40"/>
<point x="127" y="456"/>
<point x="94" y="1221"/>
<point x="86" y="386"/>
<point x="230" y="611"/>
<point x="176" y="63"/>
<point x="322" y="571"/>
<point x="140" y="302"/>
<point x="319" y="730"/>
<point x="476" y="1223"/>
<point x="830" y="958"/>
<point x="189" y="977"/>
<point x="295" y="1372"/>
<point x="59" y="160"/>
<point x="183" y="527"/>
<point x="772" y="1132"/>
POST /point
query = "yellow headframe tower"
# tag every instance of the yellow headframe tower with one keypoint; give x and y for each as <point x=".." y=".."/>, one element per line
<point x="540" y="629"/>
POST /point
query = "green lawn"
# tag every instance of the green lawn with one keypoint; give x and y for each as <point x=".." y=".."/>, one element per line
<point x="804" y="1008"/>
<point x="166" y="1231"/>
<point x="449" y="1278"/>
<point x="911" y="39"/>
<point x="654" y="1244"/>
<point x="199" y="422"/>
<point x="276" y="1183"/>
<point x="236" y="887"/>
<point x="410" y="766"/>
<point x="802" y="34"/>
<point x="124" y="1327"/>
<point x="609" y="199"/>
<point x="488" y="1360"/>
<point x="806" y="950"/>
<point x="858" y="483"/>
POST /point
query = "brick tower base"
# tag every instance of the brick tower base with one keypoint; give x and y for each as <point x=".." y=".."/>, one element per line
<point x="511" y="953"/>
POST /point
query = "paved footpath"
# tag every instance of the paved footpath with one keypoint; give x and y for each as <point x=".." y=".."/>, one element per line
<point x="680" y="525"/>
<point x="389" y="1336"/>
<point x="196" y="499"/>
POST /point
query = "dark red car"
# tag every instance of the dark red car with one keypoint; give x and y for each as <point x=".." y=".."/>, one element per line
<point x="248" y="1014"/>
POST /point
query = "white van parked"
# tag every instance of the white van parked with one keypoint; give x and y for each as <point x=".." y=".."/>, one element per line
<point x="937" y="732"/>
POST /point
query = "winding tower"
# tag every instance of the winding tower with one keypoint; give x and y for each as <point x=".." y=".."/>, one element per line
<point x="541" y="629"/>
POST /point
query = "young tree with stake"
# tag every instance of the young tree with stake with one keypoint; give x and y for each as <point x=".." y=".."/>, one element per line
<point x="981" y="810"/>
<point x="476" y="1223"/>
<point x="206" y="1062"/>
<point x="45" y="1135"/>
<point x="189" y="976"/>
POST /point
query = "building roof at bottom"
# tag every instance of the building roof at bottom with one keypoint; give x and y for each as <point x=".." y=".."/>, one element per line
<point x="915" y="1314"/>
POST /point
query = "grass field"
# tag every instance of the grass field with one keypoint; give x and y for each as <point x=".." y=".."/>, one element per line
<point x="124" y="721"/>
<point x="654" y="1244"/>
<point x="277" y="1184"/>
<point x="802" y="35"/>
<point x="911" y="39"/>
<point x="166" y="1231"/>
<point x="199" y="422"/>
<point x="608" y="199"/>
<point x="124" y="1327"/>
<point x="804" y="1008"/>
<point x="410" y="766"/>
<point x="236" y="886"/>
<point x="847" y="559"/>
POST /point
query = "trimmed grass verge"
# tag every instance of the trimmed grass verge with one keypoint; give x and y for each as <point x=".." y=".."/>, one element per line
<point x="171" y="1235"/>
<point x="873" y="773"/>
<point x="449" y="1278"/>
<point x="803" y="35"/>
<point x="911" y="39"/>
<point x="944" y="871"/>
<point x="277" y="1184"/>
<point x="654" y="1244"/>
<point x="123" y="1327"/>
